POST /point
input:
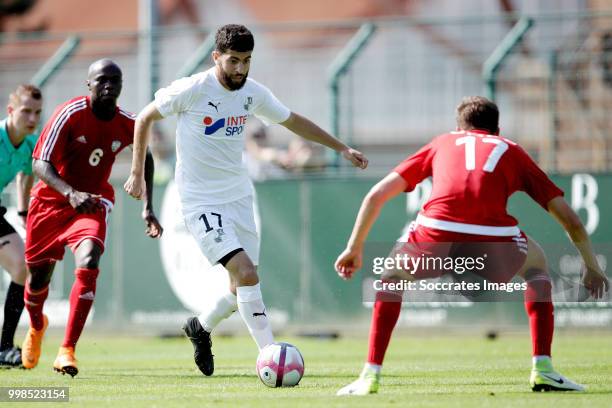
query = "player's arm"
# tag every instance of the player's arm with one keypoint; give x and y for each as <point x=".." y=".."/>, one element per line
<point x="594" y="279"/>
<point x="24" y="186"/>
<point x="305" y="128"/>
<point x="350" y="260"/>
<point x="81" y="201"/>
<point x="136" y="185"/>
<point x="154" y="228"/>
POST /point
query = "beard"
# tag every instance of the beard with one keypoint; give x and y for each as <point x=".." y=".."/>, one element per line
<point x="232" y="84"/>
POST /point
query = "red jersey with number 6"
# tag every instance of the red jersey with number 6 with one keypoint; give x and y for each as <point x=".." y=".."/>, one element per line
<point x="82" y="148"/>
<point x="473" y="176"/>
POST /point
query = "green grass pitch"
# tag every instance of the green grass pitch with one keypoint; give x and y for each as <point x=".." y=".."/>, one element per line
<point x="422" y="370"/>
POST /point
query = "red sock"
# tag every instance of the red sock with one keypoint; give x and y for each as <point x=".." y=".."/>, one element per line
<point x="81" y="298"/>
<point x="34" y="301"/>
<point x="539" y="307"/>
<point x="384" y="317"/>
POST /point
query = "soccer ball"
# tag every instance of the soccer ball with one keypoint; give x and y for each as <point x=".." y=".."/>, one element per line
<point x="280" y="365"/>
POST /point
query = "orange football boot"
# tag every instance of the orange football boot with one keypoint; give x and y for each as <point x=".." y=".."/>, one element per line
<point x="31" y="347"/>
<point x="66" y="362"/>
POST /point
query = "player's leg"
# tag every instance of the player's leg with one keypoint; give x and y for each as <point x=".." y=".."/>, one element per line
<point x="388" y="303"/>
<point x="385" y="314"/>
<point x="212" y="228"/>
<point x="43" y="248"/>
<point x="199" y="329"/>
<point x="87" y="258"/>
<point x="85" y="234"/>
<point x="243" y="271"/>
<point x="221" y="307"/>
<point x="35" y="294"/>
<point x="250" y="302"/>
<point x="12" y="260"/>
<point x="539" y="308"/>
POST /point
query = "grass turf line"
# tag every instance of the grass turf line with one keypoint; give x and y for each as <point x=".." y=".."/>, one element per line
<point x="436" y="371"/>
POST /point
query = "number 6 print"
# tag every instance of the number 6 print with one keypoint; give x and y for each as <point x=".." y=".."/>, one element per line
<point x="96" y="157"/>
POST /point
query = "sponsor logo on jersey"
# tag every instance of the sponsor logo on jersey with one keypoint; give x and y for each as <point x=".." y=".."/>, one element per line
<point x="115" y="146"/>
<point x="234" y="125"/>
<point x="212" y="127"/>
<point x="81" y="139"/>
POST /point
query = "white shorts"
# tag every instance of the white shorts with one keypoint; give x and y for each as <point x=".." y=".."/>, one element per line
<point x="221" y="229"/>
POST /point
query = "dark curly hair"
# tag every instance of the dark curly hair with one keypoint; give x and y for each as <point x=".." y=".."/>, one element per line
<point x="235" y="37"/>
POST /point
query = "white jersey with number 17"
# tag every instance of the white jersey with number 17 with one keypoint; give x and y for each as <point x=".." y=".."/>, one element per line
<point x="210" y="135"/>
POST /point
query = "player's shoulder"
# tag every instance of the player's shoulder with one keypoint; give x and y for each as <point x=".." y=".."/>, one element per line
<point x="76" y="102"/>
<point x="71" y="107"/>
<point x="200" y="80"/>
<point x="254" y="87"/>
<point x="195" y="82"/>
<point x="445" y="138"/>
<point x="125" y="115"/>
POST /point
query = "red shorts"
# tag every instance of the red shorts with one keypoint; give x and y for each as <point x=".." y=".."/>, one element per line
<point x="52" y="226"/>
<point x="497" y="259"/>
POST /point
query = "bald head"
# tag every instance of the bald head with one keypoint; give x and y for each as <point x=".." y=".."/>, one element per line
<point x="104" y="80"/>
<point x="100" y="65"/>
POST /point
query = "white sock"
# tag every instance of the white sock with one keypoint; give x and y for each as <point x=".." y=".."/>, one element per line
<point x="219" y="309"/>
<point x="253" y="312"/>
<point x="368" y="368"/>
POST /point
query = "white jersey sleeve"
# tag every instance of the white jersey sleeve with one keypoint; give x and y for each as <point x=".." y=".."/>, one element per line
<point x="269" y="109"/>
<point x="176" y="97"/>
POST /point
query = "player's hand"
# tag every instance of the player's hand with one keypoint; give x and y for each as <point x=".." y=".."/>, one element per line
<point x="154" y="228"/>
<point x="348" y="263"/>
<point x="136" y="187"/>
<point x="355" y="157"/>
<point x="85" y="203"/>
<point x="596" y="282"/>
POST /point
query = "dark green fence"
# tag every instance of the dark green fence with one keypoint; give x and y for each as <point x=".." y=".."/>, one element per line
<point x="305" y="225"/>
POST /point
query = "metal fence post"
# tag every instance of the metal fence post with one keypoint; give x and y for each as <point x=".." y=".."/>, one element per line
<point x="148" y="50"/>
<point x="54" y="63"/>
<point x="339" y="68"/>
<point x="551" y="162"/>
<point x="492" y="65"/>
<point x="197" y="58"/>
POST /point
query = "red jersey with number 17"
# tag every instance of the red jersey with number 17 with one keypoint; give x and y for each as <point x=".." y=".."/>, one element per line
<point x="82" y="148"/>
<point x="473" y="175"/>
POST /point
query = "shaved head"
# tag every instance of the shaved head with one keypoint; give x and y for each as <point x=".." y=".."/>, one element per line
<point x="101" y="65"/>
<point x="104" y="80"/>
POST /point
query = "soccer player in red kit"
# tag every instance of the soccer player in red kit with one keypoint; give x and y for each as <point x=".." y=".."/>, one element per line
<point x="474" y="172"/>
<point x="70" y="205"/>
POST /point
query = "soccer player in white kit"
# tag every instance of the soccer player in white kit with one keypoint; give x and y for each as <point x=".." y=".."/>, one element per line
<point x="212" y="109"/>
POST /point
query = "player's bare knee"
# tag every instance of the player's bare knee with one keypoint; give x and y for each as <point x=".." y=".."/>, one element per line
<point x="247" y="276"/>
<point x="88" y="261"/>
<point x="19" y="272"/>
<point x="40" y="276"/>
<point x="88" y="255"/>
<point x="536" y="259"/>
